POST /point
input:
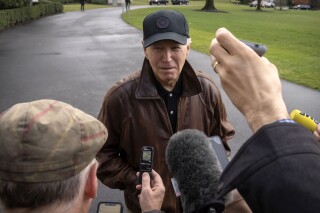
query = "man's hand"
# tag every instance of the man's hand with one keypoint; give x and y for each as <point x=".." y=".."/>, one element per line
<point x="251" y="82"/>
<point x="152" y="192"/>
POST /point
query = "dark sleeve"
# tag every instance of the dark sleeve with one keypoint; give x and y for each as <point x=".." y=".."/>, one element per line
<point x="154" y="211"/>
<point x="277" y="170"/>
<point x="221" y="126"/>
<point x="113" y="171"/>
<point x="224" y="128"/>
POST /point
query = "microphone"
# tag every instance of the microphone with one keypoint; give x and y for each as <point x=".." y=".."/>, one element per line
<point x="304" y="119"/>
<point x="194" y="165"/>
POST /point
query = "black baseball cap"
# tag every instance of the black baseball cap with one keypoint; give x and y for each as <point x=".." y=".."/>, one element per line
<point x="163" y="25"/>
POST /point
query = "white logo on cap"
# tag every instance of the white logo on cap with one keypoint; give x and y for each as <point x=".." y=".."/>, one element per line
<point x="163" y="22"/>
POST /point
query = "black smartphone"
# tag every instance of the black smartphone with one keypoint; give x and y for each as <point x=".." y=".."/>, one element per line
<point x="260" y="49"/>
<point x="110" y="207"/>
<point x="146" y="161"/>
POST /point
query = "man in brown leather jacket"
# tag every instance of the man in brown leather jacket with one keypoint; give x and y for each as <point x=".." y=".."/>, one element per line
<point x="148" y="107"/>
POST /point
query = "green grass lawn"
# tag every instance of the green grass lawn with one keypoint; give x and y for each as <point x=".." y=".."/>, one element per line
<point x="292" y="36"/>
<point x="76" y="7"/>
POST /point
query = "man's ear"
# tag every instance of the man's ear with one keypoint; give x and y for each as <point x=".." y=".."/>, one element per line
<point x="91" y="187"/>
<point x="188" y="50"/>
<point x="145" y="52"/>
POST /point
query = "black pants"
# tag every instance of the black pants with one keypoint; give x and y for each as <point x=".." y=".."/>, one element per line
<point x="82" y="6"/>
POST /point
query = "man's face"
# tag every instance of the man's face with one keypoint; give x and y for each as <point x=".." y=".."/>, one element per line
<point x="167" y="58"/>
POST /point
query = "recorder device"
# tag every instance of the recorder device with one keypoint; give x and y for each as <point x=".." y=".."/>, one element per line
<point x="146" y="161"/>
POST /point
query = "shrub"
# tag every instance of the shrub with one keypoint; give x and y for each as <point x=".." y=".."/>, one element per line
<point x="10" y="17"/>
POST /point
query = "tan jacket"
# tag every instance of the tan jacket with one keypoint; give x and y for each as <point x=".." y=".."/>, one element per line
<point x="136" y="116"/>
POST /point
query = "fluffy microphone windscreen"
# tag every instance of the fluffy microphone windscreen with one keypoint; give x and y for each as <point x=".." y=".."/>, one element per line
<point x="194" y="164"/>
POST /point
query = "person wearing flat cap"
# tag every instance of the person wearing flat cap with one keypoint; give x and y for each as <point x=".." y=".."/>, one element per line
<point x="147" y="107"/>
<point x="47" y="159"/>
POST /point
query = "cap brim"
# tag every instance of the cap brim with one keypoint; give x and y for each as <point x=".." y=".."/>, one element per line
<point x="165" y="36"/>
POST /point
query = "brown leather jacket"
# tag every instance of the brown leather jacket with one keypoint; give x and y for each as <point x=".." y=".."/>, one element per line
<point x="136" y="116"/>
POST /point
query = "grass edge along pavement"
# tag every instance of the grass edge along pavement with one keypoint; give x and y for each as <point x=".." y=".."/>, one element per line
<point x="292" y="36"/>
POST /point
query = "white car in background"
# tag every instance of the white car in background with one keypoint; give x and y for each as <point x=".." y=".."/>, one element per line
<point x="302" y="7"/>
<point x="263" y="4"/>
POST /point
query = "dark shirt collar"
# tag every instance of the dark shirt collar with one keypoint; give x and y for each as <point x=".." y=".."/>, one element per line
<point x="177" y="90"/>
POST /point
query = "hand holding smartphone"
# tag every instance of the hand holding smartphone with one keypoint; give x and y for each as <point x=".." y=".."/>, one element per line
<point x="146" y="161"/>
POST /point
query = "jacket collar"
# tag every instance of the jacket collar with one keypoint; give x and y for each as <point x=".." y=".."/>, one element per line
<point x="147" y="84"/>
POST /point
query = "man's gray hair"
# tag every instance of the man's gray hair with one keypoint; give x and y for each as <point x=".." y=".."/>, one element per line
<point x="35" y="195"/>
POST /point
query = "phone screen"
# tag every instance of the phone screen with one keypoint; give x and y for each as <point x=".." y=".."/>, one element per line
<point x="146" y="155"/>
<point x="109" y="207"/>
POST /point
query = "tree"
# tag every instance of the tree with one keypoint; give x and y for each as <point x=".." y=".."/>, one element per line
<point x="259" y="5"/>
<point x="209" y="6"/>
